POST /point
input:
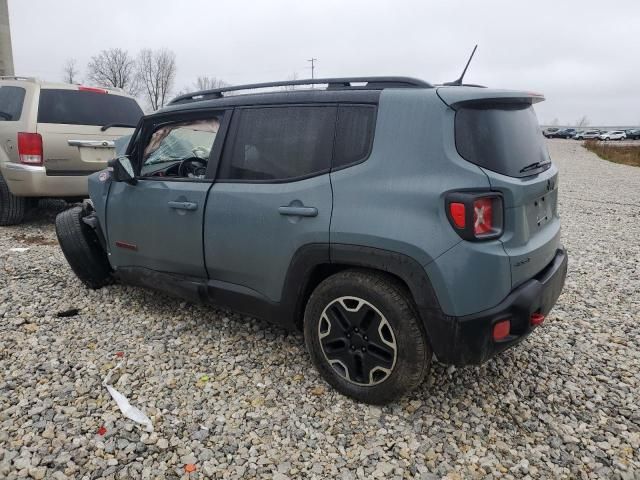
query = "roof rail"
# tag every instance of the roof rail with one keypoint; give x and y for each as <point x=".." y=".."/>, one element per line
<point x="371" y="83"/>
<point x="18" y="77"/>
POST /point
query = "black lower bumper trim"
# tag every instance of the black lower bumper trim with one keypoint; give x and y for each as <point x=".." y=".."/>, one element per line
<point x="469" y="340"/>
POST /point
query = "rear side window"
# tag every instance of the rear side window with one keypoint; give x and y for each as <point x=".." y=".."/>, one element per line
<point x="11" y="100"/>
<point x="77" y="107"/>
<point x="279" y="143"/>
<point x="504" y="138"/>
<point x="354" y="134"/>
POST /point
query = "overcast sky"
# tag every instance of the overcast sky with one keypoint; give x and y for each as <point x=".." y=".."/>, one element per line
<point x="583" y="55"/>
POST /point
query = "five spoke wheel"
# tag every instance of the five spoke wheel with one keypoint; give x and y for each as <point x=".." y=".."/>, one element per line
<point x="357" y="341"/>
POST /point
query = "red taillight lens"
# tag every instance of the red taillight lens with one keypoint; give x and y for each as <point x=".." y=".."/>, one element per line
<point x="501" y="330"/>
<point x="483" y="216"/>
<point x="457" y="212"/>
<point x="30" y="148"/>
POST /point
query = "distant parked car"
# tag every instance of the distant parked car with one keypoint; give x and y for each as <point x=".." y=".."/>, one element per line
<point x="549" y="132"/>
<point x="633" y="134"/>
<point x="587" y="135"/>
<point x="613" y="135"/>
<point x="564" y="133"/>
<point x="42" y="126"/>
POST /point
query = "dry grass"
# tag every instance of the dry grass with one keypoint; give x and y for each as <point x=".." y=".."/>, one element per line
<point x="627" y="155"/>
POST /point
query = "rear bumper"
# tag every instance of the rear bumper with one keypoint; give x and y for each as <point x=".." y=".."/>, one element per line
<point x="468" y="340"/>
<point x="33" y="181"/>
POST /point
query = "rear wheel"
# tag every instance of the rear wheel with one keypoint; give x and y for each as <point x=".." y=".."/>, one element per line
<point x="81" y="248"/>
<point x="365" y="338"/>
<point x="12" y="208"/>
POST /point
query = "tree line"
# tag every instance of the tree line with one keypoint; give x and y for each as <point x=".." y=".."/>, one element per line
<point x="149" y="75"/>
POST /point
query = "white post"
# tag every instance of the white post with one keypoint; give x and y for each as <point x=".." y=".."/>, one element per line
<point x="6" y="55"/>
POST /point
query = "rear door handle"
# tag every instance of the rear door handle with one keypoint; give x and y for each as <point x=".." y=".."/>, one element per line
<point x="183" y="205"/>
<point x="299" y="211"/>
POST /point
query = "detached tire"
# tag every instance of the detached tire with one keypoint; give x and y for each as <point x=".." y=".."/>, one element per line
<point x="82" y="249"/>
<point x="12" y="208"/>
<point x="365" y="337"/>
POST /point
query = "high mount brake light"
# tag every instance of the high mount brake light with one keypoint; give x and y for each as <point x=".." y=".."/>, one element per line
<point x="92" y="89"/>
<point x="475" y="216"/>
<point x="30" y="148"/>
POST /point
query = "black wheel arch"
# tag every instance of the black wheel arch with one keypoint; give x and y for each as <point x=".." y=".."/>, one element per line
<point x="313" y="263"/>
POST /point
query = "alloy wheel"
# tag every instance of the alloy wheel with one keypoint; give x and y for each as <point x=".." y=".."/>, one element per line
<point x="357" y="341"/>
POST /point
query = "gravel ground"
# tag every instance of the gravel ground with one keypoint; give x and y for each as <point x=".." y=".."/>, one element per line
<point x="236" y="397"/>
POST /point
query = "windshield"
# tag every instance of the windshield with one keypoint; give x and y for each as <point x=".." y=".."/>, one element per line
<point x="502" y="138"/>
<point x="11" y="99"/>
<point x="179" y="141"/>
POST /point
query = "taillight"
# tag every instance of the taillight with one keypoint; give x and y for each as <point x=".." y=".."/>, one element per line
<point x="475" y="215"/>
<point x="92" y="89"/>
<point x="30" y="148"/>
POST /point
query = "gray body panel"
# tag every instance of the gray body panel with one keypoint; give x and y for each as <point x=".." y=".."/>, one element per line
<point x="248" y="242"/>
<point x="167" y="239"/>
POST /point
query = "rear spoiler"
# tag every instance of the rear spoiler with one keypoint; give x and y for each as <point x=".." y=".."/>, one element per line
<point x="455" y="97"/>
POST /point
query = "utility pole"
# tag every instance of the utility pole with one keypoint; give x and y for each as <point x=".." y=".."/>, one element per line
<point x="313" y="66"/>
<point x="6" y="55"/>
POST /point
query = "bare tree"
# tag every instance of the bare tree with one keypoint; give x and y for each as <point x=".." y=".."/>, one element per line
<point x="555" y="122"/>
<point x="209" y="83"/>
<point x="583" y="122"/>
<point x="293" y="78"/>
<point x="113" y="68"/>
<point x="156" y="74"/>
<point x="70" y="72"/>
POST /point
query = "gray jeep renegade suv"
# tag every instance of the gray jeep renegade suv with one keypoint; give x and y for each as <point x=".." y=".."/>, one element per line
<point x="389" y="219"/>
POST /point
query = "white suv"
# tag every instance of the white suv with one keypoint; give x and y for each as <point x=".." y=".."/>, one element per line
<point x="613" y="135"/>
<point x="42" y="127"/>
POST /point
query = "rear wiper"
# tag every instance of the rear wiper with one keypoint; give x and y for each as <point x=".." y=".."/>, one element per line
<point x="109" y="125"/>
<point x="533" y="166"/>
<point x="5" y="115"/>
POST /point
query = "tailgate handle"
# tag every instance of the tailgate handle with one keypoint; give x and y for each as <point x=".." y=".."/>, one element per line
<point x="92" y="143"/>
<point x="299" y="211"/>
<point x="183" y="205"/>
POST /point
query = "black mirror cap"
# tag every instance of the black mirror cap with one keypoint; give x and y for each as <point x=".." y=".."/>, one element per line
<point x="120" y="173"/>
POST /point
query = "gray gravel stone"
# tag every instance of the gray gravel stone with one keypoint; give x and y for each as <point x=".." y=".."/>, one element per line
<point x="563" y="404"/>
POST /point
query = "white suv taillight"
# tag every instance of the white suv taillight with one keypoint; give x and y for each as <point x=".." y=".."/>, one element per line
<point x="30" y="148"/>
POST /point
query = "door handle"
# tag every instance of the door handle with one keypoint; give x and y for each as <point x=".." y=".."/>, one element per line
<point x="183" y="205"/>
<point x="298" y="211"/>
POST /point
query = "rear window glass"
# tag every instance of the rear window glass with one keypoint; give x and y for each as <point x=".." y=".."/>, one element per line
<point x="354" y="134"/>
<point x="279" y="143"/>
<point x="77" y="107"/>
<point x="504" y="139"/>
<point x="11" y="100"/>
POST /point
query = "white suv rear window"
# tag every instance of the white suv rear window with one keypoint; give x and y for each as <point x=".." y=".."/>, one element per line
<point x="79" y="107"/>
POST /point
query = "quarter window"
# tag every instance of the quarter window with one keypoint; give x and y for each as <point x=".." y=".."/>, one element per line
<point x="11" y="99"/>
<point x="279" y="143"/>
<point x="354" y="134"/>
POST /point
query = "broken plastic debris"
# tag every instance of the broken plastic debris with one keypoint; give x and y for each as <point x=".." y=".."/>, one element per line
<point x="19" y="249"/>
<point x="102" y="431"/>
<point x="189" y="467"/>
<point x="68" y="313"/>
<point x="125" y="407"/>
<point x="119" y="354"/>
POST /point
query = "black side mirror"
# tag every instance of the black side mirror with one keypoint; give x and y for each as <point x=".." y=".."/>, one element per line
<point x="123" y="170"/>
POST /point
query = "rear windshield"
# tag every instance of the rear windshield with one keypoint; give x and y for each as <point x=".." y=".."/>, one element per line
<point x="504" y="139"/>
<point x="11" y="99"/>
<point x="78" y="107"/>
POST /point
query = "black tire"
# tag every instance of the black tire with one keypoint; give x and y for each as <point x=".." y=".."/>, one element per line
<point x="387" y="303"/>
<point x="82" y="249"/>
<point x="12" y="208"/>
